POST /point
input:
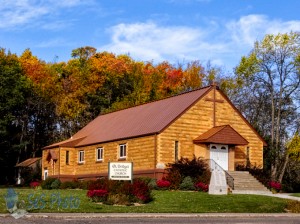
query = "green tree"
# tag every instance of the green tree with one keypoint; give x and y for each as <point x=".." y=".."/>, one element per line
<point x="14" y="88"/>
<point x="269" y="78"/>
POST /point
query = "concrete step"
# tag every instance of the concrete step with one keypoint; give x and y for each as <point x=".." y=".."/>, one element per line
<point x="265" y="192"/>
<point x="245" y="182"/>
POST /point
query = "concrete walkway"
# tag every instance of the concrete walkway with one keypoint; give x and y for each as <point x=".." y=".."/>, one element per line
<point x="279" y="195"/>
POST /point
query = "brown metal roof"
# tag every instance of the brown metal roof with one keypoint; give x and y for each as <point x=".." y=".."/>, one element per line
<point x="51" y="155"/>
<point x="136" y="121"/>
<point x="246" y="121"/>
<point x="222" y="135"/>
<point x="69" y="143"/>
<point x="28" y="162"/>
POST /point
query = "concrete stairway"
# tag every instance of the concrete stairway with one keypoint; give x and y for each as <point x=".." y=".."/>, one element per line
<point x="245" y="183"/>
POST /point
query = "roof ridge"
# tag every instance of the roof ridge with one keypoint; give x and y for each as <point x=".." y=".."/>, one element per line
<point x="168" y="97"/>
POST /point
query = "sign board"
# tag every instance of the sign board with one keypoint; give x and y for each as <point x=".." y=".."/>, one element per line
<point x="120" y="170"/>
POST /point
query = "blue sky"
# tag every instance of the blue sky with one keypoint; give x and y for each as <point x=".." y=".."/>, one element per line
<point x="178" y="31"/>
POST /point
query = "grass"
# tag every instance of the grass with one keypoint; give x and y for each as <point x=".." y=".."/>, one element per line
<point x="296" y="194"/>
<point x="164" y="202"/>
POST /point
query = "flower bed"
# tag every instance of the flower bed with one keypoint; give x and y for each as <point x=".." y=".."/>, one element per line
<point x="119" y="192"/>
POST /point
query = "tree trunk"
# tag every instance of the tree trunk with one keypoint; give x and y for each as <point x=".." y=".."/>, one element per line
<point x="282" y="171"/>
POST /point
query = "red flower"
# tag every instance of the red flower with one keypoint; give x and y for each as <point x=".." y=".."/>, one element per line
<point x="275" y="185"/>
<point x="201" y="186"/>
<point x="141" y="191"/>
<point x="163" y="183"/>
<point x="97" y="193"/>
<point x="34" y="184"/>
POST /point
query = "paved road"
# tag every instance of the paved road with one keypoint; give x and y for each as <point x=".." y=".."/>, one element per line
<point x="154" y="218"/>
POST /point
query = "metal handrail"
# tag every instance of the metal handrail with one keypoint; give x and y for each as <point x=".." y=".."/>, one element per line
<point x="215" y="166"/>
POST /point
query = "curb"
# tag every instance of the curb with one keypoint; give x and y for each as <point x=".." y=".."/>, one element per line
<point x="151" y="215"/>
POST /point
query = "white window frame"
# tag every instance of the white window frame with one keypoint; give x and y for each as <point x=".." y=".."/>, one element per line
<point x="81" y="156"/>
<point x="122" y="149"/>
<point x="99" y="151"/>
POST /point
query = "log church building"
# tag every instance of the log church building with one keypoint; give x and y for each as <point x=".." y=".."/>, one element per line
<point x="203" y="122"/>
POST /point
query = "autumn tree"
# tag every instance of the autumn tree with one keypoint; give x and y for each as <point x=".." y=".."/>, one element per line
<point x="38" y="115"/>
<point x="269" y="78"/>
<point x="193" y="75"/>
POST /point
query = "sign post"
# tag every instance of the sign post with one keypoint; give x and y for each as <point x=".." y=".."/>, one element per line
<point x="120" y="171"/>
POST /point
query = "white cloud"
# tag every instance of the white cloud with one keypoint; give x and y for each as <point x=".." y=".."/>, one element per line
<point x="148" y="41"/>
<point x="19" y="12"/>
<point x="16" y="13"/>
<point x="242" y="33"/>
<point x="250" y="28"/>
<point x="223" y="42"/>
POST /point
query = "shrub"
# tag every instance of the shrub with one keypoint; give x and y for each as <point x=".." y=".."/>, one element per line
<point x="98" y="195"/>
<point x="119" y="199"/>
<point x="152" y="184"/>
<point x="185" y="167"/>
<point x="34" y="184"/>
<point x="141" y="191"/>
<point x="146" y="180"/>
<point x="187" y="184"/>
<point x="69" y="185"/>
<point x="163" y="184"/>
<point x="55" y="184"/>
<point x="46" y="184"/>
<point x="204" y="178"/>
<point x="98" y="184"/>
<point x="84" y="184"/>
<point x="275" y="186"/>
<point x="119" y="192"/>
<point x="200" y="186"/>
<point x="174" y="177"/>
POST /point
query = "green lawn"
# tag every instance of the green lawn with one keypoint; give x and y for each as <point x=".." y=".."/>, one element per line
<point x="296" y="194"/>
<point x="164" y="202"/>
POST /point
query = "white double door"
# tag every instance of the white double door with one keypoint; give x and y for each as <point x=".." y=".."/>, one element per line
<point x="219" y="153"/>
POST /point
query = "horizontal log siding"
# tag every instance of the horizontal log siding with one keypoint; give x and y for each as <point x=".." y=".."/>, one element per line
<point x="68" y="169"/>
<point x="195" y="121"/>
<point x="226" y="114"/>
<point x="140" y="151"/>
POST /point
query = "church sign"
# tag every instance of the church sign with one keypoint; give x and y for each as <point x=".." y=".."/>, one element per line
<point x="120" y="170"/>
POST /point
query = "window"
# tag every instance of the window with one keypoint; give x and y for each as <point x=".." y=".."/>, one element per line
<point x="99" y="154"/>
<point x="81" y="157"/>
<point x="67" y="157"/>
<point x="176" y="151"/>
<point x="223" y="148"/>
<point x="122" y="151"/>
<point x="248" y="156"/>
